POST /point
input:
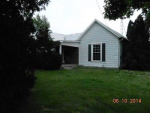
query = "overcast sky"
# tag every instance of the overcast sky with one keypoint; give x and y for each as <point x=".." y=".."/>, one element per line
<point x="74" y="16"/>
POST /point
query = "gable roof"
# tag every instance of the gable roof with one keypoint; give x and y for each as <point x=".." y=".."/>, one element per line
<point x="103" y="25"/>
<point x="60" y="37"/>
<point x="77" y="36"/>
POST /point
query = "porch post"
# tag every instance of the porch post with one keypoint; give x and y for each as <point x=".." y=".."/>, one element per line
<point x="60" y="49"/>
<point x="63" y="56"/>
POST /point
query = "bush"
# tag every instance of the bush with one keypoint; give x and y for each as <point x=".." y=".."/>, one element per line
<point x="136" y="59"/>
<point x="49" y="61"/>
<point x="15" y="84"/>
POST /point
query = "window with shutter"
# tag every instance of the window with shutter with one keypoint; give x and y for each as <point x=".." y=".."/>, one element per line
<point x="96" y="52"/>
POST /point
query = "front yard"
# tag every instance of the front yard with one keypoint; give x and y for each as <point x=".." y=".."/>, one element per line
<point x="90" y="90"/>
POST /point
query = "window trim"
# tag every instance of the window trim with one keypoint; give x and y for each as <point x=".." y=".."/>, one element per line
<point x="93" y="52"/>
<point x="100" y="51"/>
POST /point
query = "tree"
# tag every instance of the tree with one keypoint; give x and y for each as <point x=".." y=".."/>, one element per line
<point x="46" y="58"/>
<point x="130" y="30"/>
<point x="125" y="8"/>
<point x="43" y="38"/>
<point x="17" y="51"/>
<point x="137" y="49"/>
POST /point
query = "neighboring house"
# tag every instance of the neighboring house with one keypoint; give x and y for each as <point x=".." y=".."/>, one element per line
<point x="97" y="46"/>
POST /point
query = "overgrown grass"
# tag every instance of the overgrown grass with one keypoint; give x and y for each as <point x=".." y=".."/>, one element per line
<point x="89" y="90"/>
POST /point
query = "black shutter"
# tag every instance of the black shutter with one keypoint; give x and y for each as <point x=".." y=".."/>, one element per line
<point x="89" y="52"/>
<point x="103" y="52"/>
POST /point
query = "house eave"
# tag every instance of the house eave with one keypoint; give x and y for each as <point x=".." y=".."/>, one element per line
<point x="122" y="38"/>
<point x="69" y="41"/>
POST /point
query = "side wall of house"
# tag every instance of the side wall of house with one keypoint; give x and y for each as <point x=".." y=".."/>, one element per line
<point x="98" y="34"/>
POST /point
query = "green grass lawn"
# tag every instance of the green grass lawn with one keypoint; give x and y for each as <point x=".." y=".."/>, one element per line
<point x="90" y="90"/>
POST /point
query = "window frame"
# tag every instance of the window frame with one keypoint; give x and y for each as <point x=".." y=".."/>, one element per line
<point x="93" y="52"/>
<point x="100" y="51"/>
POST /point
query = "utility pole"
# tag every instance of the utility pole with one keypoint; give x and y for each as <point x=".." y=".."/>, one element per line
<point x="121" y="26"/>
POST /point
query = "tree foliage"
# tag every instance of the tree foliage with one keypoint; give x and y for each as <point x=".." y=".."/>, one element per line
<point x="125" y="8"/>
<point x="137" y="49"/>
<point x="43" y="38"/>
<point x="130" y="29"/>
<point x="17" y="50"/>
<point x="46" y="58"/>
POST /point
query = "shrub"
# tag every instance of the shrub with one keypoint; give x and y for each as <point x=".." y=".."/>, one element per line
<point x="15" y="83"/>
<point x="49" y="61"/>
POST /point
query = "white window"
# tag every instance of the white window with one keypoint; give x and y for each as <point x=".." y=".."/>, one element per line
<point x="96" y="52"/>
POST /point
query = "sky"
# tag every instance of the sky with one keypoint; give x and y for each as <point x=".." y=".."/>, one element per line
<point x="74" y="16"/>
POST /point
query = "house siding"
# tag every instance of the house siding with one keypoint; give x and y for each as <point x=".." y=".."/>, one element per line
<point x="98" y="34"/>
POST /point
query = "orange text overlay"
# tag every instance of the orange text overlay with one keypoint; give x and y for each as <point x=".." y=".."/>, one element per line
<point x="127" y="101"/>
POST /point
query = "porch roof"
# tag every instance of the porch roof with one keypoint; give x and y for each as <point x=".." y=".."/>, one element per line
<point x="70" y="43"/>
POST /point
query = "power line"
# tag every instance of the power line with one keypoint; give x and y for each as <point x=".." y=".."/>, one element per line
<point x="105" y="20"/>
<point x="121" y="26"/>
<point x="124" y="29"/>
<point x="101" y="12"/>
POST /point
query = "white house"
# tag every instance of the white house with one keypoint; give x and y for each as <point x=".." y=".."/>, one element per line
<point x="97" y="46"/>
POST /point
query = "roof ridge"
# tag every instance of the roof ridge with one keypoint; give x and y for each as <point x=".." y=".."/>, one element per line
<point x="74" y="34"/>
<point x="66" y="37"/>
<point x="67" y="34"/>
<point x="57" y="33"/>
